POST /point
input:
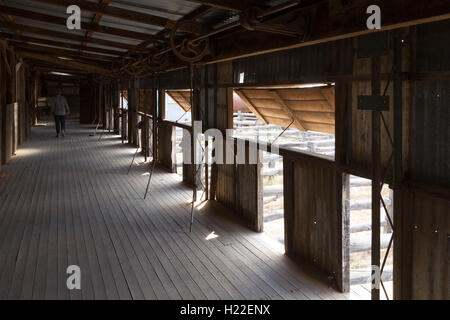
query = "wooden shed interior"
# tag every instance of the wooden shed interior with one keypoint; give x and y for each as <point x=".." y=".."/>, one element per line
<point x="348" y="127"/>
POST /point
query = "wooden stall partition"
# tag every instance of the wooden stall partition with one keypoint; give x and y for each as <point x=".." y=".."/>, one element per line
<point x="166" y="146"/>
<point x="188" y="167"/>
<point x="426" y="242"/>
<point x="117" y="116"/>
<point x="249" y="190"/>
<point x="145" y="136"/>
<point x="224" y="175"/>
<point x="21" y="100"/>
<point x="313" y="215"/>
<point x="88" y="94"/>
<point x="8" y="133"/>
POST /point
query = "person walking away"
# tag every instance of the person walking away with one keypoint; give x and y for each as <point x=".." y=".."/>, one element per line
<point x="60" y="109"/>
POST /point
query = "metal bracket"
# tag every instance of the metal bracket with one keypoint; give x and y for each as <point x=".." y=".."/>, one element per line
<point x="373" y="103"/>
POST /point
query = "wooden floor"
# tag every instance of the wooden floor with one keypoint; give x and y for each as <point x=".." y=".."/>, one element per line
<point x="69" y="201"/>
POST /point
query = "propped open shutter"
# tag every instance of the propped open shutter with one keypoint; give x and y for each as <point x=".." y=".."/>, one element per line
<point x="182" y="98"/>
<point x="304" y="108"/>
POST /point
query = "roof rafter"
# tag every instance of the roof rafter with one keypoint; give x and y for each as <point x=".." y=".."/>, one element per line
<point x="297" y="121"/>
<point x="96" y="20"/>
<point x="61" y="52"/>
<point x="9" y="18"/>
<point x="251" y="106"/>
<point x="59" y="44"/>
<point x="67" y="63"/>
<point x="114" y="12"/>
<point x="66" y="35"/>
<point x="90" y="27"/>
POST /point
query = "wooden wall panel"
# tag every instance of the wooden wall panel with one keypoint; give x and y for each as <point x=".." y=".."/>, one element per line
<point x="21" y="100"/>
<point x="188" y="169"/>
<point x="226" y="176"/>
<point x="8" y="133"/>
<point x="132" y="116"/>
<point x="166" y="146"/>
<point x="318" y="61"/>
<point x="225" y="190"/>
<point x="430" y="138"/>
<point x="361" y="147"/>
<point x="249" y="192"/>
<point x="313" y="215"/>
<point x="88" y="94"/>
<point x="428" y="243"/>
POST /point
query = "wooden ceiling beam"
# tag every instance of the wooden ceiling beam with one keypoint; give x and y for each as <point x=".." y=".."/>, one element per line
<point x="59" y="44"/>
<point x="44" y="68"/>
<point x="67" y="36"/>
<point x="61" y="52"/>
<point x="35" y="62"/>
<point x="96" y="20"/>
<point x="115" y="12"/>
<point x="90" y="27"/>
<point x="67" y="63"/>
<point x="56" y="78"/>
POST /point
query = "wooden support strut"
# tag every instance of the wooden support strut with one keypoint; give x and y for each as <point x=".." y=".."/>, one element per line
<point x="288" y="110"/>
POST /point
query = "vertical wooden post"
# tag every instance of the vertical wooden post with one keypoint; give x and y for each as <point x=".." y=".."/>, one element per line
<point x="206" y="169"/>
<point x="402" y="266"/>
<point x="156" y="105"/>
<point x="376" y="175"/>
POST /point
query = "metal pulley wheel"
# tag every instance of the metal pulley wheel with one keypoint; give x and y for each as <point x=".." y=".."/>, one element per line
<point x="185" y="44"/>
